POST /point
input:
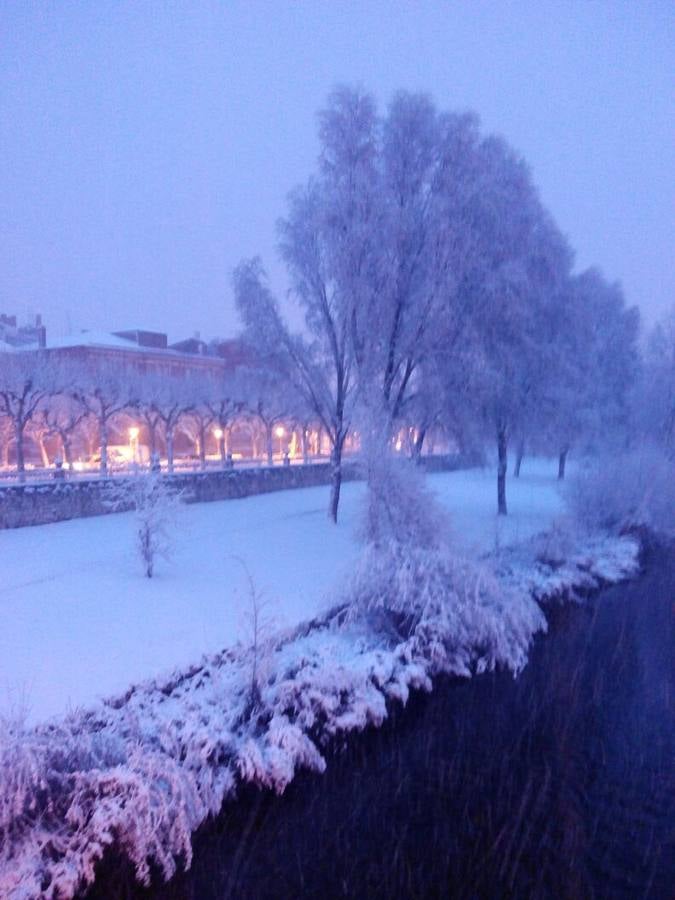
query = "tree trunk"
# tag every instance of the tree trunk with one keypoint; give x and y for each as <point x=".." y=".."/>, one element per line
<point x="152" y="435"/>
<point x="501" y="470"/>
<point x="20" y="460"/>
<point x="103" y="430"/>
<point x="221" y="446"/>
<point x="44" y="456"/>
<point x="304" y="437"/>
<point x="519" y="458"/>
<point x="169" y="449"/>
<point x="562" y="460"/>
<point x="202" y="446"/>
<point x="65" y="447"/>
<point x="419" y="442"/>
<point x="269" y="436"/>
<point x="336" y="479"/>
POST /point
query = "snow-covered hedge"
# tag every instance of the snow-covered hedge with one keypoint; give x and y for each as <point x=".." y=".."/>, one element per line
<point x="141" y="772"/>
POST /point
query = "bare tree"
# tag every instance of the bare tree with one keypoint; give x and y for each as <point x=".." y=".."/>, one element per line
<point x="224" y="402"/>
<point x="268" y="400"/>
<point x="6" y="437"/>
<point x="27" y="378"/>
<point x="106" y="392"/>
<point x="61" y="416"/>
<point x="164" y="400"/>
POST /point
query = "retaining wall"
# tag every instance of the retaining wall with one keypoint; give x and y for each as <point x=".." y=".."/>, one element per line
<point x="45" y="502"/>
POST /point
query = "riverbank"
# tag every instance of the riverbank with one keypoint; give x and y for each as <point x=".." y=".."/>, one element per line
<point x="144" y="772"/>
<point x="556" y="784"/>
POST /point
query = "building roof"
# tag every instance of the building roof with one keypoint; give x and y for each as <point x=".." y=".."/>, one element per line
<point x="93" y="339"/>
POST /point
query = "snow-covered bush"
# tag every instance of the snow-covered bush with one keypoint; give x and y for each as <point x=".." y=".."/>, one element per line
<point x="155" y="503"/>
<point x="446" y="609"/>
<point x="632" y="489"/>
<point x="557" y="544"/>
<point x="399" y="505"/>
<point x="411" y="585"/>
<point x="258" y="636"/>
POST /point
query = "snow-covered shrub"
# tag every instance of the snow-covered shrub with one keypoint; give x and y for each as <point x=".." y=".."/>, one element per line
<point x="155" y="504"/>
<point x="448" y="610"/>
<point x="556" y="545"/>
<point x="632" y="489"/>
<point x="258" y="633"/>
<point x="399" y="505"/>
<point x="411" y="585"/>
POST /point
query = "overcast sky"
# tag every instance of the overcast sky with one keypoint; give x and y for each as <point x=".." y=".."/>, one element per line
<point x="145" y="148"/>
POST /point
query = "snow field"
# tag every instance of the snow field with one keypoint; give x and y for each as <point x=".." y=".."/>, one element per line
<point x="80" y="622"/>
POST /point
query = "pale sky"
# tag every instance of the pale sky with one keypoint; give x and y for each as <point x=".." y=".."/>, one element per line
<point x="146" y="147"/>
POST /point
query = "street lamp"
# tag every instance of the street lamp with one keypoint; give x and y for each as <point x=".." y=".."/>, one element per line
<point x="280" y="431"/>
<point x="219" y="435"/>
<point x="134" y="431"/>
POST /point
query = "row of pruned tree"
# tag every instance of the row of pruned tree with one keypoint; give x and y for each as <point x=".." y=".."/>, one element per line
<point x="436" y="288"/>
<point x="43" y="396"/>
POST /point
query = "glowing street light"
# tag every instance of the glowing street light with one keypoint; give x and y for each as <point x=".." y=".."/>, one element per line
<point x="134" y="431"/>
<point x="219" y="435"/>
<point x="280" y="431"/>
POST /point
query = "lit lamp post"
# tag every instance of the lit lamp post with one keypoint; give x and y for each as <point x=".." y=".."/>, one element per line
<point x="134" y="431"/>
<point x="280" y="431"/>
<point x="219" y="435"/>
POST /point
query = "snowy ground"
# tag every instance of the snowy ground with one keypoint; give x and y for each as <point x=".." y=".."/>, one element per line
<point x="78" y="620"/>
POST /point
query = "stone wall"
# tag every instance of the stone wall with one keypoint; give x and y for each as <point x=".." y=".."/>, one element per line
<point x="45" y="502"/>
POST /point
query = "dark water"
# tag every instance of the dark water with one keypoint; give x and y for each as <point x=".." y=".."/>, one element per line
<point x="560" y="784"/>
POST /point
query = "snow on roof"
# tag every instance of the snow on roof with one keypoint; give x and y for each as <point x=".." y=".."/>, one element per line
<point x="17" y="348"/>
<point x="105" y="340"/>
<point x="92" y="339"/>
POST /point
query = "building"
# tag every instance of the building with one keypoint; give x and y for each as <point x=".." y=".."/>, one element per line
<point x="136" y="351"/>
<point x="31" y="336"/>
<point x="149" y="352"/>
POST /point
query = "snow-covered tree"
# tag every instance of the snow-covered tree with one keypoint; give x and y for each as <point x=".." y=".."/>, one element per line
<point x="196" y="421"/>
<point x="6" y="437"/>
<point x="62" y="416"/>
<point x="163" y="400"/>
<point x="594" y="365"/>
<point x="225" y="399"/>
<point x="155" y="503"/>
<point x="525" y="264"/>
<point x="105" y="392"/>
<point x="27" y="378"/>
<point x="317" y="371"/>
<point x="267" y="398"/>
<point x="655" y="398"/>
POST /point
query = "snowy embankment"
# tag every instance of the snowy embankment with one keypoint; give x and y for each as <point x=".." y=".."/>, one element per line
<point x="143" y="771"/>
<point x="79" y="622"/>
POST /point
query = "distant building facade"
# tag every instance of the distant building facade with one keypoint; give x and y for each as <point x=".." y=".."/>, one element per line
<point x="15" y="336"/>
